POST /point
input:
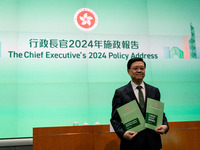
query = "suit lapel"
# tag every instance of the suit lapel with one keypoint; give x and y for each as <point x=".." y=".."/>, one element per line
<point x="131" y="93"/>
<point x="133" y="97"/>
<point x="147" y="91"/>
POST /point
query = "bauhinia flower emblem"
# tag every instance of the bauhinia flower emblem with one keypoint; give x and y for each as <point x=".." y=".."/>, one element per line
<point x="86" y="19"/>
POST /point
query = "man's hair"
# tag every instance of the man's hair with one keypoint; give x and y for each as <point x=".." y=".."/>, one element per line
<point x="132" y="60"/>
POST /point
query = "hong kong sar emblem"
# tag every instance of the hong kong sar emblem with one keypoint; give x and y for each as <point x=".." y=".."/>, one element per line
<point x="85" y="19"/>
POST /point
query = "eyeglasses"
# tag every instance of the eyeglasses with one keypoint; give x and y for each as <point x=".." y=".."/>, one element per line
<point x="138" y="68"/>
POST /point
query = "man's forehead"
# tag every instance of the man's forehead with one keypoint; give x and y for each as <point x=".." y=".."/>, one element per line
<point x="138" y="63"/>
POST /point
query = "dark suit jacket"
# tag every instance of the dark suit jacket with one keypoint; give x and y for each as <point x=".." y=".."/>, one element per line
<point x="124" y="95"/>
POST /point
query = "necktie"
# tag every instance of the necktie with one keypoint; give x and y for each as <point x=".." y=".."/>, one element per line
<point x="141" y="98"/>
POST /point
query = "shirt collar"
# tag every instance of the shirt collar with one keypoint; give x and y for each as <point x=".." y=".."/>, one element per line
<point x="135" y="85"/>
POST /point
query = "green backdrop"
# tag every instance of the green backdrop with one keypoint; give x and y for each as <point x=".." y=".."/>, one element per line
<point x="42" y="91"/>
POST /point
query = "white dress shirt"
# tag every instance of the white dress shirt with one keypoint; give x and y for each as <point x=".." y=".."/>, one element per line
<point x="136" y="91"/>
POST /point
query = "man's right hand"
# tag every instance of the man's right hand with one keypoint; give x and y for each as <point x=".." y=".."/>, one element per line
<point x="128" y="135"/>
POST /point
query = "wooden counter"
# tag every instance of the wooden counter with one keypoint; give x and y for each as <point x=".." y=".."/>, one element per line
<point x="181" y="136"/>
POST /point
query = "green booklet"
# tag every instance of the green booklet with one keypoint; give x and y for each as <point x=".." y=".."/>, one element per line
<point x="154" y="114"/>
<point x="131" y="117"/>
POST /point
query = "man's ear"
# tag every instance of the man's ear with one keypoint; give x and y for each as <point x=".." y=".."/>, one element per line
<point x="128" y="70"/>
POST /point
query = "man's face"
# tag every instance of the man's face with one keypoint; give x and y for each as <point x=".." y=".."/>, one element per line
<point x="137" y="71"/>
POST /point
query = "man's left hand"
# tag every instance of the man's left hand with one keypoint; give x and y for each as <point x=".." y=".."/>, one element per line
<point x="161" y="129"/>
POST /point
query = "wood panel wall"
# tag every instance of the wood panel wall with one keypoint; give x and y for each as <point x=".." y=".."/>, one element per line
<point x="181" y="136"/>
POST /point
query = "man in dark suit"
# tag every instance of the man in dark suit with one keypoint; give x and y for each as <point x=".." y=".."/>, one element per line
<point x="147" y="139"/>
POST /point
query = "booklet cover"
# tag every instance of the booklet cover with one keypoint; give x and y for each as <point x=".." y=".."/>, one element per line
<point x="154" y="114"/>
<point x="131" y="117"/>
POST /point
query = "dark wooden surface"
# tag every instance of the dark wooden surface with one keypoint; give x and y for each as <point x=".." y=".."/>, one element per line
<point x="181" y="136"/>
